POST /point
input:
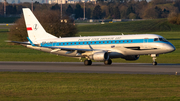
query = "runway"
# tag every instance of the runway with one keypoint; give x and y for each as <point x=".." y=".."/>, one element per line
<point x="96" y="67"/>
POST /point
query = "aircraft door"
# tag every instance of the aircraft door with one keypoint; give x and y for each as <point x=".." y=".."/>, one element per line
<point x="145" y="43"/>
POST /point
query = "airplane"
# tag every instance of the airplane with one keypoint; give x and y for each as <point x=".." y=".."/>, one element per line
<point x="98" y="48"/>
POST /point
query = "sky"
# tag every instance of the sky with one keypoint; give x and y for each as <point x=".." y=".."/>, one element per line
<point x="28" y="0"/>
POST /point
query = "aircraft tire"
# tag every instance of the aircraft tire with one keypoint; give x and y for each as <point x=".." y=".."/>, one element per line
<point x="108" y="62"/>
<point x="87" y="62"/>
<point x="155" y="63"/>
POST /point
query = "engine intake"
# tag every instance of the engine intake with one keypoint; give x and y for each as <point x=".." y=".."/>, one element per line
<point x="100" y="56"/>
<point x="131" y="57"/>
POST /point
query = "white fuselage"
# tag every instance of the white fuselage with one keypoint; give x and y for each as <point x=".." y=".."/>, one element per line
<point x="116" y="45"/>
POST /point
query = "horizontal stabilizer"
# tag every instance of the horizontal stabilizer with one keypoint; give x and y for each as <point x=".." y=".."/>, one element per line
<point x="26" y="43"/>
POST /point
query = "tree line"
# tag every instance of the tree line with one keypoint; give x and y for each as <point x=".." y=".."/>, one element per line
<point x="113" y="9"/>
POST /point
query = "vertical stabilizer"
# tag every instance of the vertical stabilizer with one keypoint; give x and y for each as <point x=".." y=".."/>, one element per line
<point x="34" y="28"/>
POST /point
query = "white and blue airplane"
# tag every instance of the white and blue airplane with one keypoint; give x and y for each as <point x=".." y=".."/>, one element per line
<point x="98" y="48"/>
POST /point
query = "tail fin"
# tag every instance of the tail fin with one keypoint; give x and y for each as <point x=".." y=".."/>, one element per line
<point x="34" y="28"/>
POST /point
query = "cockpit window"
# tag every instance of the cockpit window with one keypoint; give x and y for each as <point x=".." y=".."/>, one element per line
<point x="163" y="39"/>
<point x="155" y="39"/>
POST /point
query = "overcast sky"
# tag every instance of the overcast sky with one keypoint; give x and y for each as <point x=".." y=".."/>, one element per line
<point x="29" y="0"/>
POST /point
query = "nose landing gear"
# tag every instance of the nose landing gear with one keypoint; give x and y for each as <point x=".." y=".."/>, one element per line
<point x="154" y="63"/>
<point x="154" y="58"/>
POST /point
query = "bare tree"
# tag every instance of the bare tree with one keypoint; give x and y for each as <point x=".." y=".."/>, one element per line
<point x="174" y="18"/>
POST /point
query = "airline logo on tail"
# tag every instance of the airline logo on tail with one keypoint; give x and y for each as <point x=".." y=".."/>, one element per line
<point x="35" y="27"/>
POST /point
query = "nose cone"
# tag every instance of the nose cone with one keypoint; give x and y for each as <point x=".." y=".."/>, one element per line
<point x="170" y="48"/>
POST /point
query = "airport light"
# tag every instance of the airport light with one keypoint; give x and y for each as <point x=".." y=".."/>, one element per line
<point x="4" y="8"/>
<point x="61" y="9"/>
<point x="84" y="10"/>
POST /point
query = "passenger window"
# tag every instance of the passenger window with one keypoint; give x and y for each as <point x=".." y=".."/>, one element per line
<point x="156" y="39"/>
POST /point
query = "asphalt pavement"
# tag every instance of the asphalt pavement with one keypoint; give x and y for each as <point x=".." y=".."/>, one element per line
<point x="96" y="67"/>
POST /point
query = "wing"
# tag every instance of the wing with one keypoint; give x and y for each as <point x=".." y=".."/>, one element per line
<point x="73" y="49"/>
<point x="23" y="43"/>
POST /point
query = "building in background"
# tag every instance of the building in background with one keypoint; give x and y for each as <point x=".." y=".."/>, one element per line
<point x="69" y="1"/>
<point x="19" y="1"/>
<point x="57" y="1"/>
<point x="13" y="1"/>
<point x="49" y="1"/>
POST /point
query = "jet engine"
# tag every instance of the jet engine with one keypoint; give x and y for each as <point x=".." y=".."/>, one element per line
<point x="100" y="56"/>
<point x="131" y="57"/>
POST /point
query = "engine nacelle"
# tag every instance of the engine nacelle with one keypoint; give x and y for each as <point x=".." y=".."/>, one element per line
<point x="131" y="57"/>
<point x="100" y="56"/>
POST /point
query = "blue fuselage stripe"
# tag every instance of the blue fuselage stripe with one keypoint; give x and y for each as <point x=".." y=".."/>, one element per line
<point x="100" y="42"/>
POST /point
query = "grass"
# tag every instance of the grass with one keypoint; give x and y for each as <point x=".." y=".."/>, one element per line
<point x="158" y="25"/>
<point x="83" y="86"/>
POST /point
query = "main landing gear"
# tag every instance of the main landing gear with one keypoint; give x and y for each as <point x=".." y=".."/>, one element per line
<point x="89" y="62"/>
<point x="108" y="62"/>
<point x="154" y="59"/>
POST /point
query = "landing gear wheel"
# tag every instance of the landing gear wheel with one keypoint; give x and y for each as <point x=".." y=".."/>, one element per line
<point x="154" y="56"/>
<point x="87" y="62"/>
<point x="154" y="63"/>
<point x="108" y="62"/>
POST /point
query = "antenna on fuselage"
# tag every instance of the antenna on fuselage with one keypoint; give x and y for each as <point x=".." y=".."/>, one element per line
<point x="79" y="35"/>
<point x="122" y="33"/>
